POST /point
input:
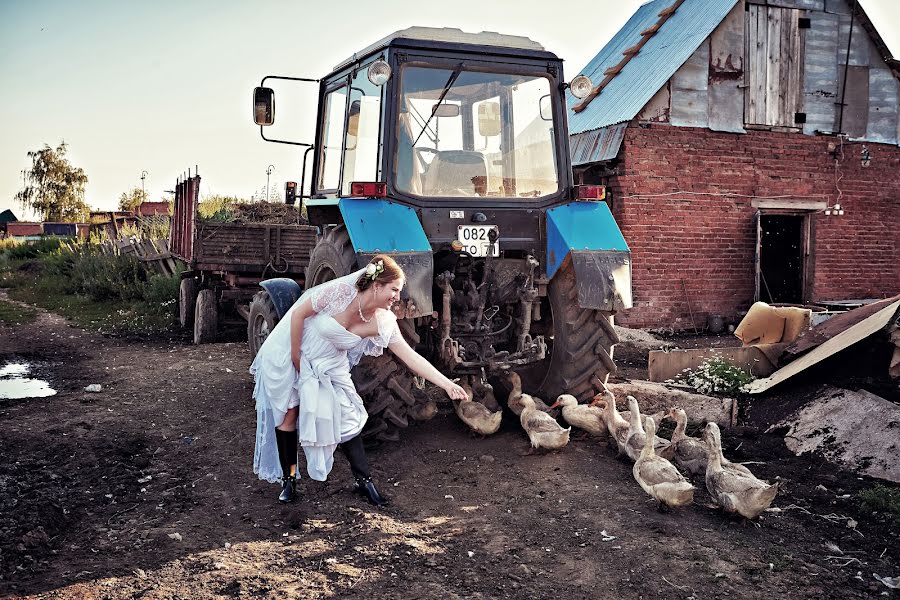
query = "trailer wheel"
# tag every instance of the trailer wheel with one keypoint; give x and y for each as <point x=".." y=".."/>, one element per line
<point x="187" y="301"/>
<point x="263" y="318"/>
<point x="206" y="317"/>
<point x="582" y="345"/>
<point x="383" y="382"/>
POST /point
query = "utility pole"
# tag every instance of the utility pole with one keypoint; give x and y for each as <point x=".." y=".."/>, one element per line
<point x="143" y="192"/>
<point x="269" y="170"/>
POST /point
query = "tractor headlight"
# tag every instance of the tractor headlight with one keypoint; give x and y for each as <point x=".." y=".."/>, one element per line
<point x="379" y="72"/>
<point x="581" y="86"/>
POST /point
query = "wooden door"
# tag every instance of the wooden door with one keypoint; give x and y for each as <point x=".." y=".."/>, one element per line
<point x="774" y="60"/>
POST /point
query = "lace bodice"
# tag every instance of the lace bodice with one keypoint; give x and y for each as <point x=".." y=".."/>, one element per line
<point x="332" y="298"/>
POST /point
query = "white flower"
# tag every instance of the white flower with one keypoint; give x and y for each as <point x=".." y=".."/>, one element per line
<point x="370" y="269"/>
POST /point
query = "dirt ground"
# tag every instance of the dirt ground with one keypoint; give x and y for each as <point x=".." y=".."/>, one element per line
<point x="145" y="490"/>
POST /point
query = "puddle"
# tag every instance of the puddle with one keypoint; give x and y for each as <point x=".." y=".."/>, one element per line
<point x="14" y="384"/>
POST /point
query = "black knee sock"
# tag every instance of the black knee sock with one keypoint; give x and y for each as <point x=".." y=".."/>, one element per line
<point x="287" y="450"/>
<point x="356" y="455"/>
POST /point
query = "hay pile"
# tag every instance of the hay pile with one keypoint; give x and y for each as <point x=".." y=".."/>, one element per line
<point x="274" y="213"/>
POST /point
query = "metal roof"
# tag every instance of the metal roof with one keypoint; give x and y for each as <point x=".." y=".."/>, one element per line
<point x="597" y="144"/>
<point x="648" y="70"/>
<point x="449" y="34"/>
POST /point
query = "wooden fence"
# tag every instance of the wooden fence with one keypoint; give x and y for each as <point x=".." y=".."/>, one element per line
<point x="155" y="253"/>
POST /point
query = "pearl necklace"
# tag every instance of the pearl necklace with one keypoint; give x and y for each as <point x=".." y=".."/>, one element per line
<point x="359" y="307"/>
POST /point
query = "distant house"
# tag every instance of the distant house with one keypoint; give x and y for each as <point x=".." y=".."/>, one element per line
<point x="151" y="209"/>
<point x="111" y="222"/>
<point x="24" y="230"/>
<point x="750" y="148"/>
<point x="6" y="216"/>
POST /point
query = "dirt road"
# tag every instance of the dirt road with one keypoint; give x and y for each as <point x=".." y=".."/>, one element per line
<point x="145" y="490"/>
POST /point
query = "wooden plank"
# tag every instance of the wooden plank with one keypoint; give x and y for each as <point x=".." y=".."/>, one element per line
<point x="773" y="66"/>
<point x="751" y="74"/>
<point x="668" y="364"/>
<point x="690" y="100"/>
<point x="726" y="73"/>
<point x="856" y="103"/>
<point x="846" y="338"/>
<point x="791" y="68"/>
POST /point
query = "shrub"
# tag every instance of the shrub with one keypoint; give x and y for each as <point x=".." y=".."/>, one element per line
<point x="882" y="499"/>
<point x="715" y="375"/>
<point x="16" y="249"/>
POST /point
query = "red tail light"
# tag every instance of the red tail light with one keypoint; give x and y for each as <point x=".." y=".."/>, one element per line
<point x="368" y="189"/>
<point x="590" y="192"/>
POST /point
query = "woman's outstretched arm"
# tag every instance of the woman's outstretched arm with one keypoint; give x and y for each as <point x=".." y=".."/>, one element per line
<point x="297" y="318"/>
<point x="421" y="367"/>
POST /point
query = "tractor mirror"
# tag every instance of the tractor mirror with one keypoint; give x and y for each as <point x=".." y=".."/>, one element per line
<point x="353" y="119"/>
<point x="445" y="110"/>
<point x="263" y="106"/>
<point x="489" y="119"/>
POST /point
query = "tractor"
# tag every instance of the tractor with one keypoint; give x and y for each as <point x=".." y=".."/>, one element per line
<point x="449" y="151"/>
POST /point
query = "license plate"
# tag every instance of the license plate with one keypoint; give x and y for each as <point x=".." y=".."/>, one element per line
<point x="474" y="239"/>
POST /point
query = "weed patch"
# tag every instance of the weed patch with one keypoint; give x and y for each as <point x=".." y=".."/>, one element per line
<point x="714" y="376"/>
<point x="14" y="314"/>
<point x="882" y="499"/>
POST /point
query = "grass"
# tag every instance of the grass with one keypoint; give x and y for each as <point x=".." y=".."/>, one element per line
<point x="14" y="314"/>
<point x="110" y="294"/>
<point x="881" y="499"/>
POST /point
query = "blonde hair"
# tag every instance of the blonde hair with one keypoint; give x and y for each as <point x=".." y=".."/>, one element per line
<point x="389" y="272"/>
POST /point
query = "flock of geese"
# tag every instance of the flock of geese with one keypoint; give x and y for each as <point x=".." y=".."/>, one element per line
<point x="731" y="485"/>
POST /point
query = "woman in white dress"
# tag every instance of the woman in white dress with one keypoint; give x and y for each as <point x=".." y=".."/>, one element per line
<point x="303" y="387"/>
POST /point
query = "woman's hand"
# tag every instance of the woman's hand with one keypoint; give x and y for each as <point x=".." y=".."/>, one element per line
<point x="295" y="358"/>
<point x="455" y="391"/>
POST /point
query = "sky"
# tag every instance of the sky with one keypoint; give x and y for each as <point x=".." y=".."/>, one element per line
<point x="157" y="88"/>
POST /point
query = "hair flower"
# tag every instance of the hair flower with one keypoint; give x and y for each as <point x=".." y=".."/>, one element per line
<point x="373" y="270"/>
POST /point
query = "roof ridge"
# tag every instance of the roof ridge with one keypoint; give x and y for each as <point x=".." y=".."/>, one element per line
<point x="628" y="54"/>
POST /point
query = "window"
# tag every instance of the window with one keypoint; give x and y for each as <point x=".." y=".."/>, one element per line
<point x="466" y="133"/>
<point x="363" y="128"/>
<point x="332" y="138"/>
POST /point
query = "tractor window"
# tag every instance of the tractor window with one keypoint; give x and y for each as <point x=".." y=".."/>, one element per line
<point x="332" y="138"/>
<point x="363" y="125"/>
<point x="472" y="133"/>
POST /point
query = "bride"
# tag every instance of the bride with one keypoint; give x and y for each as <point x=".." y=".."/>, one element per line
<point x="303" y="388"/>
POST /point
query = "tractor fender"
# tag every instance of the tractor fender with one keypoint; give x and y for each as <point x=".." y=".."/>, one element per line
<point x="385" y="227"/>
<point x="283" y="292"/>
<point x="584" y="236"/>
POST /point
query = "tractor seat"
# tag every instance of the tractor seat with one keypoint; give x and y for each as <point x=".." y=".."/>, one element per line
<point x="456" y="173"/>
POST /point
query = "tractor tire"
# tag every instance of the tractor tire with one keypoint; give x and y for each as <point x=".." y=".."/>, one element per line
<point x="383" y="382"/>
<point x="582" y="347"/>
<point x="187" y="301"/>
<point x="206" y="317"/>
<point x="263" y="318"/>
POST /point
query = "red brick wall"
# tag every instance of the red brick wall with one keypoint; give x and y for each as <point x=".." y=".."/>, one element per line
<point x="695" y="251"/>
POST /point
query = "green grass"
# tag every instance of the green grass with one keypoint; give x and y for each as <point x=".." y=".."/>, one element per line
<point x="14" y="314"/>
<point x="110" y="294"/>
<point x="881" y="499"/>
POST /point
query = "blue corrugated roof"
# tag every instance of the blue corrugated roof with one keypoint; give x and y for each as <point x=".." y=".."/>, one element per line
<point x="627" y="93"/>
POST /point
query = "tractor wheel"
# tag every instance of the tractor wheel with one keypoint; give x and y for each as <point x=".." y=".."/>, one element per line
<point x="263" y="318"/>
<point x="383" y="382"/>
<point x="582" y="345"/>
<point x="187" y="301"/>
<point x="206" y="317"/>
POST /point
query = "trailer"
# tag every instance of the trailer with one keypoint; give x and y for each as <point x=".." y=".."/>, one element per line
<point x="225" y="263"/>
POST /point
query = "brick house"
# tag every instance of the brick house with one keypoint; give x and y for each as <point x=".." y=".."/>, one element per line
<point x="751" y="151"/>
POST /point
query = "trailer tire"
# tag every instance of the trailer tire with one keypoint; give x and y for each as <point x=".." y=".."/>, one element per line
<point x="383" y="382"/>
<point x="187" y="302"/>
<point x="206" y="317"/>
<point x="582" y="346"/>
<point x="263" y="318"/>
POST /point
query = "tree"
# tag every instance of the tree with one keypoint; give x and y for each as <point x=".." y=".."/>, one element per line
<point x="54" y="188"/>
<point x="131" y="199"/>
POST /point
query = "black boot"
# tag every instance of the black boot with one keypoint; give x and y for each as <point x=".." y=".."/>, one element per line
<point x="288" y="489"/>
<point x="366" y="488"/>
<point x="287" y="456"/>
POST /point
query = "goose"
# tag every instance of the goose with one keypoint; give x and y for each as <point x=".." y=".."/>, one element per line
<point x="514" y="402"/>
<point x="542" y="429"/>
<point x="687" y="452"/>
<point x="476" y="415"/>
<point x="735" y="489"/>
<point x="583" y="416"/>
<point x="634" y="442"/>
<point x="658" y="477"/>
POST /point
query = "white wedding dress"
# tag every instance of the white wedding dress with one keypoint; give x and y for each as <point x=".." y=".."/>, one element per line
<point x="331" y="412"/>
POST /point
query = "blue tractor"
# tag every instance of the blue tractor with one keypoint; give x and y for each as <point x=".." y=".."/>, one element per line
<point x="450" y="152"/>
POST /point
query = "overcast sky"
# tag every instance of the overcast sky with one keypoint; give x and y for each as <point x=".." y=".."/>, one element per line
<point x="160" y="87"/>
